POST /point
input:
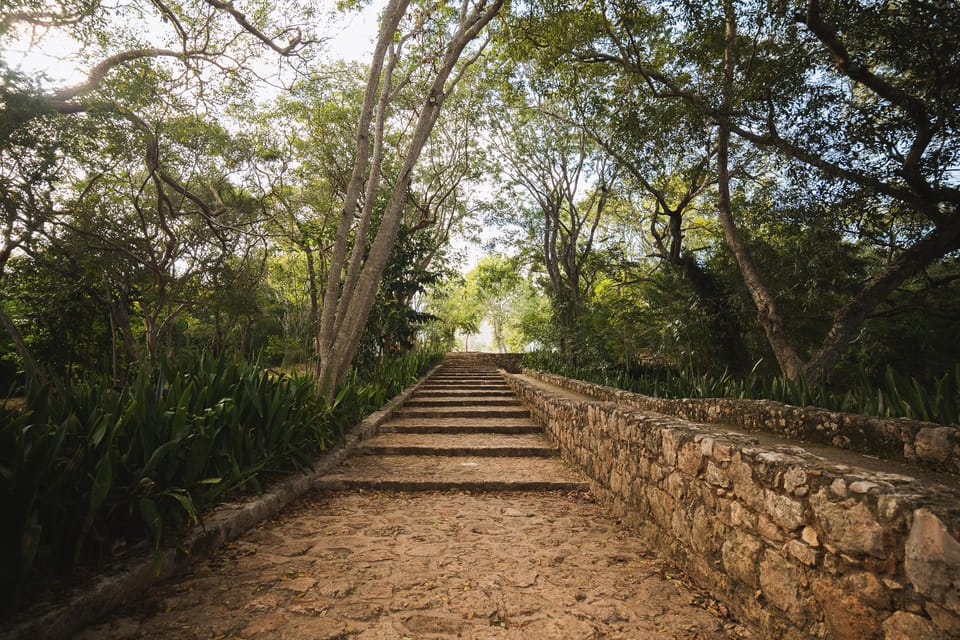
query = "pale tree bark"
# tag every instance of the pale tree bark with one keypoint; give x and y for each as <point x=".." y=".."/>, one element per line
<point x="349" y="296"/>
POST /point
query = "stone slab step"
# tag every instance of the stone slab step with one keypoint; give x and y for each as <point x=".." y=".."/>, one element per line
<point x="474" y="384"/>
<point x="499" y="445"/>
<point x="431" y="473"/>
<point x="464" y="412"/>
<point x="463" y="393"/>
<point x="465" y="388"/>
<point x="460" y="426"/>
<point x="465" y="380"/>
<point x="462" y="401"/>
<point x="490" y="375"/>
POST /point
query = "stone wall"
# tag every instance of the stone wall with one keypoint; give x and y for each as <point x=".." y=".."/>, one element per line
<point x="933" y="446"/>
<point x="794" y="545"/>
<point x="506" y="361"/>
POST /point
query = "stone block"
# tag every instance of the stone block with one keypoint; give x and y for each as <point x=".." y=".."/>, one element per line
<point x="809" y="535"/>
<point x="780" y="584"/>
<point x="690" y="458"/>
<point x="662" y="506"/>
<point x="795" y="481"/>
<point x="706" y="446"/>
<point x="722" y="451"/>
<point x="935" y="444"/>
<point x="849" y="526"/>
<point x="716" y="476"/>
<point x="785" y="511"/>
<point x="801" y="552"/>
<point x="679" y="526"/>
<point x="908" y="626"/>
<point x="846" y="617"/>
<point x="769" y="529"/>
<point x="740" y="517"/>
<point x="944" y="620"/>
<point x="670" y="446"/>
<point x="868" y="588"/>
<point x="705" y="529"/>
<point x="839" y="488"/>
<point x="676" y="486"/>
<point x="744" y="486"/>
<point x="932" y="560"/>
<point x="739" y="555"/>
<point x="862" y="486"/>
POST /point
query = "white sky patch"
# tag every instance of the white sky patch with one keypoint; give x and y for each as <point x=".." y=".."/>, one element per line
<point x="52" y="60"/>
<point x="53" y="57"/>
<point x="354" y="40"/>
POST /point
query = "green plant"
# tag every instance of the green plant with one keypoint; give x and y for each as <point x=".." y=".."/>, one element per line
<point x="85" y="467"/>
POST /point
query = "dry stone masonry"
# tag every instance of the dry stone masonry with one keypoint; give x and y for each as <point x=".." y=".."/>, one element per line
<point x="799" y="545"/>
<point x="928" y="445"/>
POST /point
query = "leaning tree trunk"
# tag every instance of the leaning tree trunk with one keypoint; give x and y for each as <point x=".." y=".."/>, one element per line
<point x="348" y="298"/>
<point x="35" y="375"/>
<point x="768" y="315"/>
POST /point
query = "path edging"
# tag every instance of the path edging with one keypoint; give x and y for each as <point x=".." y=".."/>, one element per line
<point x="227" y="522"/>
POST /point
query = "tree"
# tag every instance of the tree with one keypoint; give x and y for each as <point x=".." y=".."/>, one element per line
<point x="352" y="282"/>
<point x="554" y="163"/>
<point x="872" y="117"/>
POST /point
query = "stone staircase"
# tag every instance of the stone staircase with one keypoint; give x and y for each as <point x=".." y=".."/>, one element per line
<point x="463" y="430"/>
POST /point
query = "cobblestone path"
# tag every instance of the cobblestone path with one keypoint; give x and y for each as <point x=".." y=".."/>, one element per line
<point x="458" y="521"/>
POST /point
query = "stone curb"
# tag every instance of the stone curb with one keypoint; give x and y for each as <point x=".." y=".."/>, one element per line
<point x="101" y="595"/>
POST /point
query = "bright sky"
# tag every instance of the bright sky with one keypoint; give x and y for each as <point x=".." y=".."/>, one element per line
<point x="54" y="56"/>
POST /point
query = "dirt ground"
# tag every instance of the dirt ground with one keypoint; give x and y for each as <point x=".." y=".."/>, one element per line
<point x="429" y="565"/>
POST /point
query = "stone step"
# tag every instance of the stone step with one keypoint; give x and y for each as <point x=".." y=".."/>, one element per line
<point x="463" y="393"/>
<point x="433" y="473"/>
<point x="461" y="425"/>
<point x="497" y="445"/>
<point x="464" y="380"/>
<point x="464" y="412"/>
<point x="484" y="386"/>
<point x="465" y="401"/>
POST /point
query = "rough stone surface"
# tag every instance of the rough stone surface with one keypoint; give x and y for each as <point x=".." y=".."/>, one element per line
<point x="779" y="582"/>
<point x="934" y="446"/>
<point x="845" y="616"/>
<point x="907" y="626"/>
<point x="801" y="541"/>
<point x="741" y="552"/>
<point x="851" y="527"/>
<point x="933" y="560"/>
<point x="429" y="565"/>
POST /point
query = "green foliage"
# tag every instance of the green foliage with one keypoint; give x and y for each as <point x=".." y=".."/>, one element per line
<point x="85" y="467"/>
<point x="898" y="396"/>
<point x="393" y="323"/>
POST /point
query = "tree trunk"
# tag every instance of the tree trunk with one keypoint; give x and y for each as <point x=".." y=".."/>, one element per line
<point x="347" y="301"/>
<point x="36" y="377"/>
<point x="768" y="315"/>
<point x="848" y="321"/>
